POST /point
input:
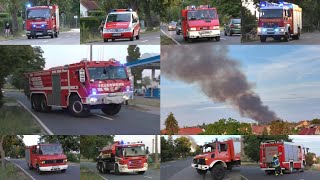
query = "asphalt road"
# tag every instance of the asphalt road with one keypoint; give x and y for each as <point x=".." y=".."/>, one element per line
<point x="235" y="39"/>
<point x="65" y="38"/>
<point x="153" y="174"/>
<point x="150" y="38"/>
<point x="181" y="169"/>
<point x="72" y="173"/>
<point x="305" y="39"/>
<point x="128" y="121"/>
<point x="253" y="173"/>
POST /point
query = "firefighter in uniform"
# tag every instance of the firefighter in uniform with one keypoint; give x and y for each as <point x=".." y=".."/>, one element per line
<point x="276" y="163"/>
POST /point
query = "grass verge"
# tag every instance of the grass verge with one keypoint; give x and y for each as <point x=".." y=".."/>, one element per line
<point x="145" y="102"/>
<point x="313" y="168"/>
<point x="11" y="172"/>
<point x="88" y="174"/>
<point x="164" y="40"/>
<point x="19" y="35"/>
<point x="156" y="29"/>
<point x="14" y="119"/>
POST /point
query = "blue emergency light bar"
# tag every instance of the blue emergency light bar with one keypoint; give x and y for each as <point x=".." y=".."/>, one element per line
<point x="280" y="4"/>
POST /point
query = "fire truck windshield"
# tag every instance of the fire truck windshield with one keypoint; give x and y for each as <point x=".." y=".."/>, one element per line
<point x="123" y="17"/>
<point x="134" y="151"/>
<point x="38" y="13"/>
<point x="201" y="14"/>
<point x="50" y="149"/>
<point x="271" y="13"/>
<point x="106" y="73"/>
<point x="208" y="148"/>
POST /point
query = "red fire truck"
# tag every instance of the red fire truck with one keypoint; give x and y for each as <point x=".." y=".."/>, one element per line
<point x="122" y="24"/>
<point x="291" y="156"/>
<point x="46" y="157"/>
<point x="123" y="157"/>
<point x="279" y="20"/>
<point x="80" y="87"/>
<point x="200" y="22"/>
<point x="217" y="156"/>
<point x="42" y="21"/>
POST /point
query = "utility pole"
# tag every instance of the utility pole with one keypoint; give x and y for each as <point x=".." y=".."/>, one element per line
<point x="152" y="146"/>
<point x="156" y="161"/>
<point x="91" y="52"/>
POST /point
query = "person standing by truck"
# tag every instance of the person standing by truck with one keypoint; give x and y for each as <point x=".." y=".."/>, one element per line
<point x="277" y="167"/>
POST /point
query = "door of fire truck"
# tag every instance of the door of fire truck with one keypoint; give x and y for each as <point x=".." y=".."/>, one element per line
<point x="56" y="89"/>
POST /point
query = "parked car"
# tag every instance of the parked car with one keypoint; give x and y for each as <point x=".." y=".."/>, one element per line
<point x="233" y="27"/>
<point x="172" y="26"/>
<point x="138" y="92"/>
<point x="178" y="28"/>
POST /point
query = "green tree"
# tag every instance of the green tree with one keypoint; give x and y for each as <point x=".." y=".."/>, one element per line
<point x="146" y="81"/>
<point x="230" y="126"/>
<point x="309" y="158"/>
<point x="171" y="124"/>
<point x="315" y="121"/>
<point x="167" y="149"/>
<point x="182" y="146"/>
<point x="197" y="151"/>
<point x="69" y="143"/>
<point x="7" y="144"/>
<point x="133" y="55"/>
<point x="280" y="127"/>
<point x="252" y="144"/>
<point x="90" y="145"/>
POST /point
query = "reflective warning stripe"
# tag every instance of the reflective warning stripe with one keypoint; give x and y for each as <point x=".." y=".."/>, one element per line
<point x="50" y="88"/>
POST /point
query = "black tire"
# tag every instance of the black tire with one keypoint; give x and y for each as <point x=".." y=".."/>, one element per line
<point x="286" y="37"/>
<point x="230" y="33"/>
<point x="269" y="172"/>
<point x="100" y="168"/>
<point x="113" y="40"/>
<point x="263" y="39"/>
<point x="35" y="103"/>
<point x="296" y="37"/>
<point x="141" y="172"/>
<point x="76" y="108"/>
<point x="56" y="34"/>
<point x="138" y="36"/>
<point x="190" y="40"/>
<point x="43" y="104"/>
<point x="29" y="37"/>
<point x="217" y="172"/>
<point x="201" y="172"/>
<point x="217" y="38"/>
<point x="229" y="168"/>
<point x="52" y="35"/>
<point x="105" y="40"/>
<point x="116" y="169"/>
<point x="111" y="109"/>
<point x="63" y="170"/>
<point x="38" y="170"/>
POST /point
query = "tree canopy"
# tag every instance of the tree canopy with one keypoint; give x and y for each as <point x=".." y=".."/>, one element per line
<point x="171" y="124"/>
<point x="69" y="143"/>
<point x="90" y="145"/>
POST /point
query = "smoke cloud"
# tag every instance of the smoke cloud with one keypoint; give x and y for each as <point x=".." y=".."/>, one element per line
<point x="218" y="76"/>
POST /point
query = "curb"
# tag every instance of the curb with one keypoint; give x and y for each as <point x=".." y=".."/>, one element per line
<point x="170" y="37"/>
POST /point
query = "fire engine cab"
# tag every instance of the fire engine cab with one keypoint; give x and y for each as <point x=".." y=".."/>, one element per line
<point x="121" y="24"/>
<point x="123" y="157"/>
<point x="80" y="87"/>
<point x="279" y="20"/>
<point x="291" y="156"/>
<point x="200" y="22"/>
<point x="42" y="21"/>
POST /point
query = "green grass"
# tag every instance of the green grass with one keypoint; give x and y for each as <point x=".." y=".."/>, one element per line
<point x="16" y="36"/>
<point x="14" y="119"/>
<point x="313" y="168"/>
<point x="87" y="160"/>
<point x="11" y="172"/>
<point x="87" y="174"/>
<point x="167" y="41"/>
<point x="145" y="102"/>
<point x="156" y="29"/>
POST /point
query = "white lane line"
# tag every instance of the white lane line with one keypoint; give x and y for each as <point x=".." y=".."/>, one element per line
<point x="148" y="177"/>
<point x="24" y="170"/>
<point x="223" y="38"/>
<point x="45" y="41"/>
<point x="39" y="121"/>
<point x="145" y="41"/>
<point x="244" y="177"/>
<point x="170" y="37"/>
<point x="103" y="117"/>
<point x="98" y="174"/>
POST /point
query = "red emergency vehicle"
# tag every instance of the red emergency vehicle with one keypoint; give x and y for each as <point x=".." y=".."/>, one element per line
<point x="121" y="24"/>
<point x="80" y="87"/>
<point x="42" y="21"/>
<point x="279" y="20"/>
<point x="123" y="157"/>
<point x="291" y="156"/>
<point x="217" y="156"/>
<point x="46" y="157"/>
<point x="200" y="22"/>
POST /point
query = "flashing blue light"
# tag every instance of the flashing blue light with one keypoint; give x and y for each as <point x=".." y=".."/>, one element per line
<point x="42" y="25"/>
<point x="33" y="25"/>
<point x="263" y="4"/>
<point x="276" y="30"/>
<point x="94" y="91"/>
<point x="264" y="30"/>
<point x="28" y="5"/>
<point x="121" y="142"/>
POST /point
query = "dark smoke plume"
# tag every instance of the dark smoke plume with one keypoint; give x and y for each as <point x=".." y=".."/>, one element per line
<point x="218" y="76"/>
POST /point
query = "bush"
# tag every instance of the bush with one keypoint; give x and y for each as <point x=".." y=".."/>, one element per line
<point x="4" y="15"/>
<point x="73" y="157"/>
<point x="97" y="13"/>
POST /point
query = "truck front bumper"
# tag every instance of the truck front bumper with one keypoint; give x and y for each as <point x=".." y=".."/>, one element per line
<point x="53" y="168"/>
<point x="117" y="35"/>
<point x="109" y="98"/>
<point x="125" y="169"/>
<point x="39" y="32"/>
<point x="203" y="34"/>
<point x="201" y="167"/>
<point x="280" y="31"/>
<point x="270" y="169"/>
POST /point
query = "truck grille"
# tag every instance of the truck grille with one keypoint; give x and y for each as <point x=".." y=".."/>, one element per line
<point x="53" y="161"/>
<point x="135" y="164"/>
<point x="271" y="25"/>
<point x="199" y="161"/>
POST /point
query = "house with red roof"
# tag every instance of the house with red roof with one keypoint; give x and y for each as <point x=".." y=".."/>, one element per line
<point x="186" y="131"/>
<point x="87" y="6"/>
<point x="313" y="130"/>
<point x="258" y="129"/>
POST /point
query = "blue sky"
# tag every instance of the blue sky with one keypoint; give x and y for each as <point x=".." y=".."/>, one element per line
<point x="287" y="78"/>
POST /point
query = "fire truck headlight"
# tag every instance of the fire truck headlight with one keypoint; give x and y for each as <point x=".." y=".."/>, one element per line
<point x="93" y="100"/>
<point x="65" y="161"/>
<point x="193" y="29"/>
<point x="276" y="30"/>
<point x="264" y="29"/>
<point x="128" y="88"/>
<point x="282" y="29"/>
<point x="216" y="27"/>
<point x="43" y="162"/>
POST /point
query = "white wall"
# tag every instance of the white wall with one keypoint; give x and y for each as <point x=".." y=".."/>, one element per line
<point x="83" y="11"/>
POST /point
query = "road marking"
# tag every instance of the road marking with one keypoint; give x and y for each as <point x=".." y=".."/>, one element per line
<point x="39" y="121"/>
<point x="23" y="170"/>
<point x="98" y="174"/>
<point x="145" y="41"/>
<point x="242" y="177"/>
<point x="148" y="177"/>
<point x="45" y="41"/>
<point x="170" y="37"/>
<point x="103" y="117"/>
<point x="223" y="39"/>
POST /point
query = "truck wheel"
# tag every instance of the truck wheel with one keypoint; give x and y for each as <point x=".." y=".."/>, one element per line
<point x="76" y="108"/>
<point x="286" y="37"/>
<point x="218" y="38"/>
<point x="229" y="168"/>
<point x="116" y="169"/>
<point x="141" y="172"/>
<point x="38" y="170"/>
<point x="201" y="172"/>
<point x="263" y="39"/>
<point x="190" y="40"/>
<point x="43" y="104"/>
<point x="105" y="40"/>
<point x="111" y="109"/>
<point x="99" y="167"/>
<point x="29" y="37"/>
<point x="63" y="170"/>
<point x="217" y="172"/>
<point x="269" y="172"/>
<point x="35" y="103"/>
